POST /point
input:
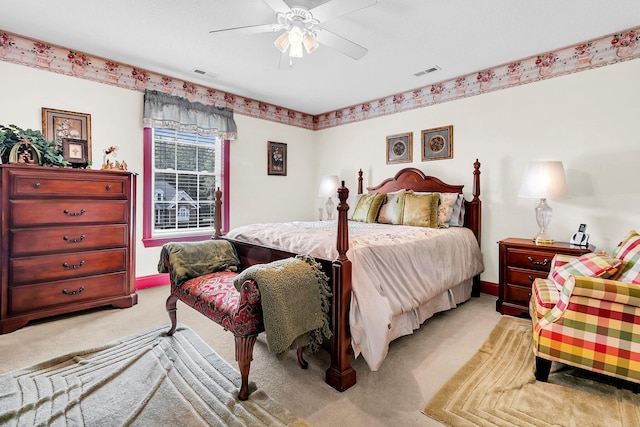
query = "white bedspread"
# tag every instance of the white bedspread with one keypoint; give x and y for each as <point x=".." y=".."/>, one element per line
<point x="396" y="268"/>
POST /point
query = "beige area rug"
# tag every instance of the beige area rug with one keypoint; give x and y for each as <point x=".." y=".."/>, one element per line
<point x="147" y="379"/>
<point x="497" y="387"/>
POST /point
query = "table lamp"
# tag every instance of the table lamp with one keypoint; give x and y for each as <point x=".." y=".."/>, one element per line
<point x="544" y="180"/>
<point x="329" y="188"/>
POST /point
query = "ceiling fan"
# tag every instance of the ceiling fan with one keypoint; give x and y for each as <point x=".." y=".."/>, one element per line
<point x="302" y="28"/>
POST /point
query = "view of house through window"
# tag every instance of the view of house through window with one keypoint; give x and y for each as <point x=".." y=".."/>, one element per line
<point x="186" y="172"/>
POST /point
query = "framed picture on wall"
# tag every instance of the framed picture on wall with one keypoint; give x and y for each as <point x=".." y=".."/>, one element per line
<point x="400" y="148"/>
<point x="437" y="143"/>
<point x="60" y="124"/>
<point x="277" y="158"/>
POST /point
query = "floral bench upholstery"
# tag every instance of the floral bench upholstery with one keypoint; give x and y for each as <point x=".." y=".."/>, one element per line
<point x="587" y="313"/>
<point x="203" y="276"/>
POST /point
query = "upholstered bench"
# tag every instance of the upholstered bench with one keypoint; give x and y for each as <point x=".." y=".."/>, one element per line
<point x="202" y="276"/>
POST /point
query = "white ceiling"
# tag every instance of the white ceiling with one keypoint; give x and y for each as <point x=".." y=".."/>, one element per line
<point x="403" y="37"/>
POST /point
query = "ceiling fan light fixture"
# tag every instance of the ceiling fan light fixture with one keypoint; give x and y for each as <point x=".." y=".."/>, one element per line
<point x="295" y="50"/>
<point x="295" y="36"/>
<point x="309" y="42"/>
<point x="282" y="42"/>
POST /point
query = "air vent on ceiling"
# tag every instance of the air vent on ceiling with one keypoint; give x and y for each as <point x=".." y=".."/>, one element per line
<point x="204" y="73"/>
<point x="427" y="71"/>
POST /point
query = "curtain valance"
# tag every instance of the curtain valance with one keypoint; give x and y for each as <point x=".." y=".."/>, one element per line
<point x="173" y="112"/>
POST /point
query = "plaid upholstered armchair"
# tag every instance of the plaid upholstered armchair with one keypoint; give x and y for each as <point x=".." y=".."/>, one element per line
<point x="584" y="318"/>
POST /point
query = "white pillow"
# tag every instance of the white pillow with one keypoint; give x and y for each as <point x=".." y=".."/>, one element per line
<point x="392" y="209"/>
<point x="457" y="216"/>
<point x="352" y="201"/>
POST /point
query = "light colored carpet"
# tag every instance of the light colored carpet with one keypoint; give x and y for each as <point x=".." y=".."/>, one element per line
<point x="146" y="379"/>
<point x="497" y="387"/>
<point x="415" y="369"/>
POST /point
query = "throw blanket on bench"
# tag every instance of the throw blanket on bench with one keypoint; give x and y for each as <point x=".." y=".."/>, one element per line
<point x="295" y="298"/>
<point x="193" y="259"/>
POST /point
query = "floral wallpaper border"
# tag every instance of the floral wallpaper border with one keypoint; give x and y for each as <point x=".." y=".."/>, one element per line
<point x="607" y="50"/>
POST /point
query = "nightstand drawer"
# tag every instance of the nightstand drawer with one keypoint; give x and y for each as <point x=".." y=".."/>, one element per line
<point x="539" y="260"/>
<point x="518" y="276"/>
<point x="517" y="294"/>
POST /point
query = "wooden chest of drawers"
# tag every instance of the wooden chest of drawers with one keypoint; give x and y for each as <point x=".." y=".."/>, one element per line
<point x="521" y="262"/>
<point x="67" y="242"/>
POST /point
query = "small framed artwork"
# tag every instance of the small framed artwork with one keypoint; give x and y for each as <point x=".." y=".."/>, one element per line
<point x="437" y="143"/>
<point x="277" y="158"/>
<point x="400" y="148"/>
<point x="75" y="152"/>
<point x="60" y="124"/>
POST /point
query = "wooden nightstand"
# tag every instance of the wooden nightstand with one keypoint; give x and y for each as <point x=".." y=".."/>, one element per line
<point x="521" y="262"/>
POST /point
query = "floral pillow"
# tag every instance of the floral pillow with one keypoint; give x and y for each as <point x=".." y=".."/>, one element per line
<point x="628" y="250"/>
<point x="588" y="265"/>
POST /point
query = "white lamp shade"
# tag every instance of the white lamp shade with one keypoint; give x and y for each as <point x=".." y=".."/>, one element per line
<point x="545" y="180"/>
<point x="329" y="186"/>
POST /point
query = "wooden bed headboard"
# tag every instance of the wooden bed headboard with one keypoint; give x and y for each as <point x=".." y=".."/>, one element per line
<point x="414" y="179"/>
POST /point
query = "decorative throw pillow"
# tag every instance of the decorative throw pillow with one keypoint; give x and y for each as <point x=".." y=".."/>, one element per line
<point x="457" y="216"/>
<point x="421" y="209"/>
<point x="392" y="209"/>
<point x="628" y="250"/>
<point x="352" y="201"/>
<point x="445" y="208"/>
<point x="589" y="265"/>
<point x="368" y="206"/>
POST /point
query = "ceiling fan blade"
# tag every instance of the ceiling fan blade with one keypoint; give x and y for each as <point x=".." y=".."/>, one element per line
<point x="249" y="29"/>
<point x="342" y="45"/>
<point x="278" y="5"/>
<point x="332" y="9"/>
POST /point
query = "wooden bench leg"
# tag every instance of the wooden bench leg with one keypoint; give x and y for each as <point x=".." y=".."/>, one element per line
<point x="171" y="309"/>
<point x="244" y="356"/>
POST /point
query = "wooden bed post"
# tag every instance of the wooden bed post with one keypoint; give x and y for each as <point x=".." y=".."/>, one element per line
<point x="217" y="219"/>
<point x="474" y="218"/>
<point x="360" y="182"/>
<point x="341" y="375"/>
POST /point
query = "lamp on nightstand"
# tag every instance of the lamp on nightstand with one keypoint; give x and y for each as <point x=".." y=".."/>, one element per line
<point x="329" y="188"/>
<point x="544" y="180"/>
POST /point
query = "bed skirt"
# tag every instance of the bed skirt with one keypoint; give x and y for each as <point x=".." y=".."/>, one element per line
<point x="406" y="323"/>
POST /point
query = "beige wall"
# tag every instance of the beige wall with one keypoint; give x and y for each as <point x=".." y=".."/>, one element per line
<point x="589" y="120"/>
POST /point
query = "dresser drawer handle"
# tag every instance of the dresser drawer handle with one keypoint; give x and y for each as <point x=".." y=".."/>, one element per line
<point x="68" y="240"/>
<point x="36" y="185"/>
<point x="66" y="292"/>
<point x="530" y="277"/>
<point x="109" y="188"/>
<point x="534" y="262"/>
<point x="72" y="267"/>
<point x="66" y="212"/>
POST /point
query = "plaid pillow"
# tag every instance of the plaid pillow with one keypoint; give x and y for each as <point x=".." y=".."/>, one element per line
<point x="628" y="250"/>
<point x="589" y="265"/>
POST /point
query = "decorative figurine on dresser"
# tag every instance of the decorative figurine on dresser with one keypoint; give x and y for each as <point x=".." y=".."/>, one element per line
<point x="67" y="241"/>
<point x="521" y="262"/>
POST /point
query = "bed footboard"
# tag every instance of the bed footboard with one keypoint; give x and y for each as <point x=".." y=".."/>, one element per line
<point x="340" y="374"/>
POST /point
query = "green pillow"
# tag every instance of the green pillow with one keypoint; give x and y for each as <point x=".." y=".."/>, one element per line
<point x="421" y="210"/>
<point x="368" y="206"/>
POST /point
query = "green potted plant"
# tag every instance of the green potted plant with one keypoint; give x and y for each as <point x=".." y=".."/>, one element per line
<point x="30" y="146"/>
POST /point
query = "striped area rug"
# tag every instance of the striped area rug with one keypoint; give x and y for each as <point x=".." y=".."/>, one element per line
<point x="147" y="379"/>
<point x="497" y="387"/>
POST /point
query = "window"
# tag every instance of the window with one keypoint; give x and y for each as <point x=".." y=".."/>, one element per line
<point x="186" y="159"/>
<point x="185" y="169"/>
